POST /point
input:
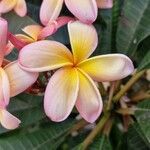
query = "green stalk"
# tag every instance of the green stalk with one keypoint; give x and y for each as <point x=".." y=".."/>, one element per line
<point x="96" y="131"/>
<point x="129" y="84"/>
<point x="111" y="93"/>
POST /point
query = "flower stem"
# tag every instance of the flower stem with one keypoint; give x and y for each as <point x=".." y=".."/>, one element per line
<point x="96" y="131"/>
<point x="102" y="89"/>
<point x="111" y="92"/>
<point x="141" y="96"/>
<point x="82" y="123"/>
<point x="107" y="114"/>
<point x="108" y="126"/>
<point x="129" y="84"/>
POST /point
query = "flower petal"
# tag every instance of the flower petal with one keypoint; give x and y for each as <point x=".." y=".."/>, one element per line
<point x="85" y="10"/>
<point x="44" y="56"/>
<point x="108" y="67"/>
<point x="83" y="40"/>
<point x="18" y="43"/>
<point x="7" y="120"/>
<point x="4" y="89"/>
<point x="24" y="38"/>
<point x="19" y="79"/>
<point x="7" y="5"/>
<point x="105" y="3"/>
<point x="48" y="30"/>
<point x="63" y="20"/>
<point x="53" y="26"/>
<point x="89" y="101"/>
<point x="21" y="8"/>
<point x="50" y="10"/>
<point x="3" y="38"/>
<point x="61" y="94"/>
<point x="33" y="31"/>
<point x="5" y="62"/>
<point x="8" y="48"/>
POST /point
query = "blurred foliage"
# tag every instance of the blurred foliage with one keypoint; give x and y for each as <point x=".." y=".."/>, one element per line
<point x="125" y="29"/>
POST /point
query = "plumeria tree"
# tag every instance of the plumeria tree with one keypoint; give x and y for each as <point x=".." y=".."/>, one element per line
<point x="74" y="74"/>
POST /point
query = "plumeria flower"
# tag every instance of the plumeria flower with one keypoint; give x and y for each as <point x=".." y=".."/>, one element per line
<point x="84" y="10"/>
<point x="35" y="33"/>
<point x="73" y="84"/>
<point x="20" y="40"/>
<point x="13" y="80"/>
<point x="19" y="6"/>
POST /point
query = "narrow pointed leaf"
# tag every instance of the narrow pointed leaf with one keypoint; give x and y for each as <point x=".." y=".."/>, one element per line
<point x="134" y="25"/>
<point x="145" y="63"/>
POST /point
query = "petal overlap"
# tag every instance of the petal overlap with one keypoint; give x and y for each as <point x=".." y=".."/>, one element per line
<point x="19" y="79"/>
<point x="89" y="101"/>
<point x="33" y="31"/>
<point x="24" y="38"/>
<point x="50" y="10"/>
<point x="58" y="106"/>
<point x="4" y="89"/>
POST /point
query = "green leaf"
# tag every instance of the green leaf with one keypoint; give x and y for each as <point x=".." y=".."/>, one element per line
<point x="37" y="2"/>
<point x="44" y="138"/>
<point x="104" y="31"/>
<point x="25" y="105"/>
<point x="78" y="147"/>
<point x="142" y="50"/>
<point x="136" y="139"/>
<point x="101" y="143"/>
<point x="75" y="141"/>
<point x="134" y="25"/>
<point x="145" y="127"/>
<point x="16" y="23"/>
<point x="143" y="110"/>
<point x="62" y="35"/>
<point x="116" y="11"/>
<point x="28" y="108"/>
<point x="33" y="10"/>
<point x="145" y="64"/>
<point x="116" y="135"/>
<point x="143" y="117"/>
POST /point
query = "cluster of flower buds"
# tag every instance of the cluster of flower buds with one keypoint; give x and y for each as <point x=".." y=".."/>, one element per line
<point x="73" y="81"/>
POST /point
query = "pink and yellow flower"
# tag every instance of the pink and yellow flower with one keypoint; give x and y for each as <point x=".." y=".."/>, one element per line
<point x="84" y="10"/>
<point x="35" y="33"/>
<point x="31" y="35"/>
<point x="19" y="6"/>
<point x="73" y="84"/>
<point x="13" y="80"/>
